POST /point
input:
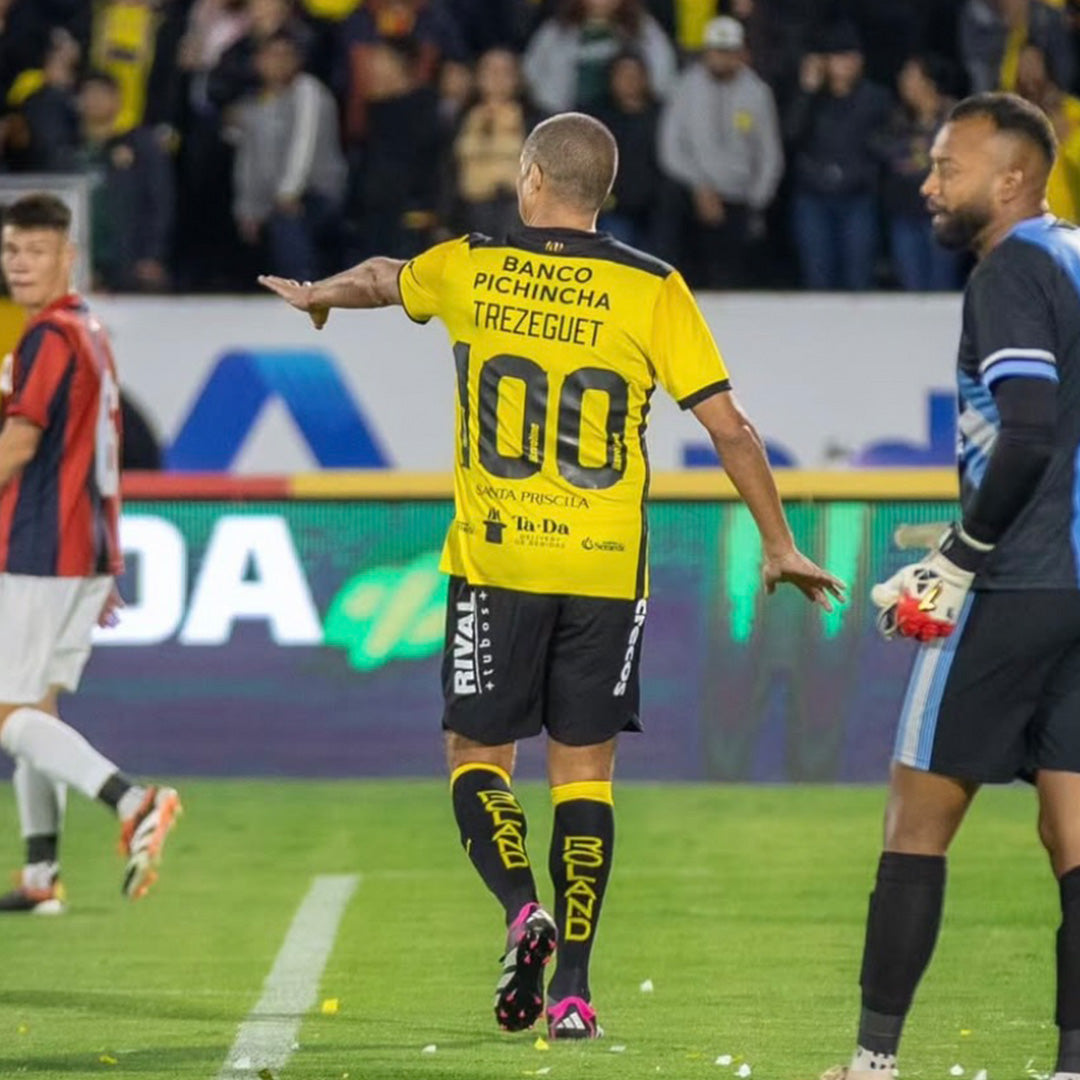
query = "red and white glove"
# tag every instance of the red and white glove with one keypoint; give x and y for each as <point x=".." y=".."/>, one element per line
<point x="924" y="600"/>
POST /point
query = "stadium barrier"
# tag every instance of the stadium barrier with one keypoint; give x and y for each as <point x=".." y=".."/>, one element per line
<point x="292" y="627"/>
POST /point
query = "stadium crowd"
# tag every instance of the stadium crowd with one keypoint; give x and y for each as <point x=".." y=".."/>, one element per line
<point x="765" y="143"/>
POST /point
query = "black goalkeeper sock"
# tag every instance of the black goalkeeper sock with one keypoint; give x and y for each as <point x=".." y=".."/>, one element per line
<point x="580" y="864"/>
<point x="493" y="830"/>
<point x="1068" y="973"/>
<point x="901" y="931"/>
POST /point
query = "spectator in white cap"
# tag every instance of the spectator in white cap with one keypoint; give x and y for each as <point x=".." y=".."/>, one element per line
<point x="721" y="152"/>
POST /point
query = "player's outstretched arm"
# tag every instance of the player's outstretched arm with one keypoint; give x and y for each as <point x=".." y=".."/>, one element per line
<point x="370" y="284"/>
<point x="743" y="455"/>
<point x="19" y="441"/>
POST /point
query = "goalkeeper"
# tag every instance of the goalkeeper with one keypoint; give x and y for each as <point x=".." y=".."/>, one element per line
<point x="995" y="691"/>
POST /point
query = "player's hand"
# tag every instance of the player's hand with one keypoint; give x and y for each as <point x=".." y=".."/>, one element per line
<point x="110" y="616"/>
<point x="298" y="295"/>
<point x="924" y="600"/>
<point x="794" y="568"/>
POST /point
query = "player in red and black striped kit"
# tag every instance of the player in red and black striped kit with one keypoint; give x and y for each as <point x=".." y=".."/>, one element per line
<point x="59" y="554"/>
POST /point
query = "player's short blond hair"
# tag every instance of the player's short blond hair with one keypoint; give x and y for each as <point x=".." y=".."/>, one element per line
<point x="577" y="155"/>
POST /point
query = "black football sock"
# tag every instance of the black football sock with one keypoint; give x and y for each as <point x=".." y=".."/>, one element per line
<point x="41" y="849"/>
<point x="901" y="931"/>
<point x="114" y="789"/>
<point x="493" y="830"/>
<point x="580" y="863"/>
<point x="1068" y="974"/>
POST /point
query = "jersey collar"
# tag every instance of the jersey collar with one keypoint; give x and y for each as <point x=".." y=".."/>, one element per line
<point x="556" y="240"/>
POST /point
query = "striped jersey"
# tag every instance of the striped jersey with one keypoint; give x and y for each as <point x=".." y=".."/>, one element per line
<point x="60" y="516"/>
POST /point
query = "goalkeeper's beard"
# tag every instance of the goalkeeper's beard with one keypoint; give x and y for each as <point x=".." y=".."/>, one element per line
<point x="960" y="229"/>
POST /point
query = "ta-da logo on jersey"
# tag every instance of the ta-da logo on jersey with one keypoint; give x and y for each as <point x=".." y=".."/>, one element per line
<point x="494" y="526"/>
<point x="473" y="660"/>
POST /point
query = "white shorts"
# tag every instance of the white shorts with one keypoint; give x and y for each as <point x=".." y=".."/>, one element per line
<point x="47" y="626"/>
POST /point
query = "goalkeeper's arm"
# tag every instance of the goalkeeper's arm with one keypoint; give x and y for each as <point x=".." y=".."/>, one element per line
<point x="1025" y="443"/>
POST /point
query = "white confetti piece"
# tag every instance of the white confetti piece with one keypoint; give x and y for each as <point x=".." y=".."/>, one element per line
<point x="723" y="1059"/>
<point x="429" y="1049"/>
<point x="743" y="1070"/>
<point x="647" y="987"/>
<point x="295" y="1046"/>
<point x="981" y="1075"/>
<point x="618" y="1049"/>
<point x="544" y="1071"/>
<point x="242" y="1063"/>
<point x="957" y="1070"/>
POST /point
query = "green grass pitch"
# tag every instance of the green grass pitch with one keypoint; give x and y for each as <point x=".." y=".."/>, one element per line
<point x="743" y="906"/>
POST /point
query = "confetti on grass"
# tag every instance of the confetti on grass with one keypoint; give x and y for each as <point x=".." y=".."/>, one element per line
<point x="957" y="1070"/>
<point x="618" y="1048"/>
<point x="541" y="1043"/>
<point x="107" y="1059"/>
<point x="743" y="1070"/>
<point x="647" y="986"/>
<point x="429" y="1049"/>
<point x="330" y="1006"/>
<point x="981" y="1075"/>
<point x="723" y="1059"/>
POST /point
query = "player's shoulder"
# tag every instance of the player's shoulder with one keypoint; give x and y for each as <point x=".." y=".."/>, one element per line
<point x="1035" y="252"/>
<point x="574" y="244"/>
<point x="1041" y="244"/>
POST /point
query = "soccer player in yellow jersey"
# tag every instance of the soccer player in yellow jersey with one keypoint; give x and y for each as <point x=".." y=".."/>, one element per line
<point x="560" y="335"/>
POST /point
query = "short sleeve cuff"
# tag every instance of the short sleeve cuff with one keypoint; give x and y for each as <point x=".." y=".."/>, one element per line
<point x="27" y="412"/>
<point x="706" y="392"/>
<point x="404" y="303"/>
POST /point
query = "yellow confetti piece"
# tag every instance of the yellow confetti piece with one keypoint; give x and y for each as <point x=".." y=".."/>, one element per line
<point x="541" y="1043"/>
<point x="107" y="1059"/>
<point x="965" y="1032"/>
<point x="23" y="1029"/>
<point x="330" y="1006"/>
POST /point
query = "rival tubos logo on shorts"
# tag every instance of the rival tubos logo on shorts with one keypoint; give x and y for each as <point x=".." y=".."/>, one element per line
<point x="472" y="664"/>
<point x="631" y="647"/>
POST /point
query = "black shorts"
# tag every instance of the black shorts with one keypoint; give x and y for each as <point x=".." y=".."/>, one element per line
<point x="516" y="662"/>
<point x="999" y="698"/>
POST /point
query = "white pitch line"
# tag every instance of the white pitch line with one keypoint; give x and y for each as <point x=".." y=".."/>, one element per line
<point x="265" y="1039"/>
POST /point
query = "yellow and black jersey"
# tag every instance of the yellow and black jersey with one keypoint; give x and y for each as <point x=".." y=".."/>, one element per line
<point x="559" y="339"/>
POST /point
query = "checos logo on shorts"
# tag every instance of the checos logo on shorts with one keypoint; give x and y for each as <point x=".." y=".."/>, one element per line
<point x="631" y="648"/>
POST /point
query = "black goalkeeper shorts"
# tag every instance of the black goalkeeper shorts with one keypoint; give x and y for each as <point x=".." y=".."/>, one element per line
<point x="1000" y="697"/>
<point x="517" y="662"/>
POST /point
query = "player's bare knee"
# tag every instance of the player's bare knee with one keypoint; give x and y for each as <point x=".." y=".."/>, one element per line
<point x="913" y="828"/>
<point x="572" y="764"/>
<point x="462" y="751"/>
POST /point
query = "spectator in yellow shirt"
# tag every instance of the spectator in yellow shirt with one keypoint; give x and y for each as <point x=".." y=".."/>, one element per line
<point x="1035" y="82"/>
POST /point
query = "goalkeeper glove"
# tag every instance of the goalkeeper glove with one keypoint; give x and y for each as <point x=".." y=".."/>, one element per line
<point x="924" y="600"/>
